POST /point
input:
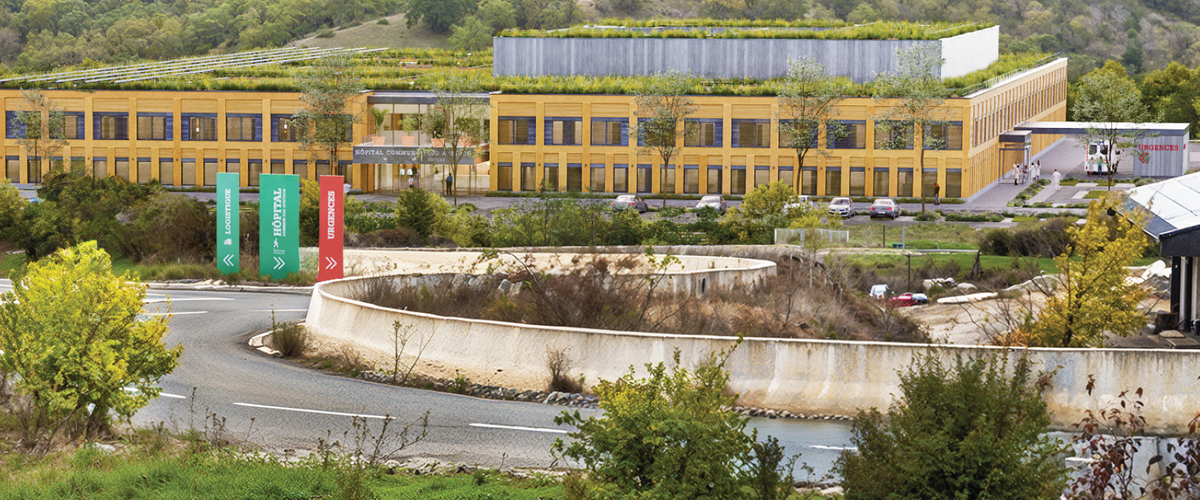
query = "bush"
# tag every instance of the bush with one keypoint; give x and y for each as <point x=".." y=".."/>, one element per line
<point x="325" y="33"/>
<point x="383" y="21"/>
<point x="1045" y="239"/>
<point x="967" y="430"/>
<point x="926" y="217"/>
<point x="559" y="364"/>
<point x="291" y="340"/>
<point x="386" y="238"/>
<point x="418" y="210"/>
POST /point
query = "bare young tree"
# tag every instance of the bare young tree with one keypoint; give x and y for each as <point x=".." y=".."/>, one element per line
<point x="1109" y="100"/>
<point x="43" y="126"/>
<point x="326" y="124"/>
<point x="662" y="106"/>
<point x="807" y="99"/>
<point x="912" y="98"/>
<point x="460" y="120"/>
<point x="401" y="335"/>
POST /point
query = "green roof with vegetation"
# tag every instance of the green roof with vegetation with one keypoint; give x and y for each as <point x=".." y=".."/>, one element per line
<point x="720" y="28"/>
<point x="427" y="69"/>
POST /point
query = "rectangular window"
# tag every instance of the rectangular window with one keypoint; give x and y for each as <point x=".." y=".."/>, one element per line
<point x="751" y="133"/>
<point x="187" y="170"/>
<point x="253" y="171"/>
<point x="953" y="183"/>
<point x="528" y="177"/>
<point x="788" y="177"/>
<point x="13" y="128"/>
<point x="73" y="125"/>
<point x="200" y="127"/>
<point x="705" y="133"/>
<point x="833" y="181"/>
<point x="858" y="181"/>
<point x="154" y="127"/>
<point x="550" y="179"/>
<point x="210" y="172"/>
<point x="111" y="126"/>
<point x="34" y="172"/>
<point x="610" y="131"/>
<point x="122" y="169"/>
<point x="787" y="128"/>
<point x="668" y="180"/>
<point x="564" y="131"/>
<point x="645" y="176"/>
<point x="504" y="177"/>
<point x="893" y="135"/>
<point x="691" y="179"/>
<point x="928" y="179"/>
<point x="516" y="130"/>
<point x="808" y="181"/>
<point x="300" y="168"/>
<point x="166" y="171"/>
<point x="737" y="180"/>
<point x="846" y="134"/>
<point x="143" y="170"/>
<point x="904" y="183"/>
<point x="597" y="179"/>
<point x="100" y="167"/>
<point x="323" y="168"/>
<point x="278" y="167"/>
<point x="282" y="129"/>
<point x="12" y="169"/>
<point x="243" y="127"/>
<point x="714" y="179"/>
<point x="621" y="178"/>
<point x="881" y="185"/>
<point x="762" y="176"/>
<point x="944" y="136"/>
<point x="574" y="177"/>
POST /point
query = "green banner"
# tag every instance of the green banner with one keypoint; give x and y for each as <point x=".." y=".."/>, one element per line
<point x="228" y="236"/>
<point x="278" y="225"/>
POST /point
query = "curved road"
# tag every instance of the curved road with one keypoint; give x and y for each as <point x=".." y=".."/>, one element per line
<point x="292" y="406"/>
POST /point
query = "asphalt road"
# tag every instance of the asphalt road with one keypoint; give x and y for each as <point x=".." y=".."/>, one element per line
<point x="291" y="406"/>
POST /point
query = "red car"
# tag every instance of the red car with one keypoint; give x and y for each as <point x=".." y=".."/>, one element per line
<point x="908" y="299"/>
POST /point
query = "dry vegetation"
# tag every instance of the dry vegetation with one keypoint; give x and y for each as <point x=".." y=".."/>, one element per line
<point x="801" y="301"/>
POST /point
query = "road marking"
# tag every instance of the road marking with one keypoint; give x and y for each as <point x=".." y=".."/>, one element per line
<point x="322" y="412"/>
<point x="134" y="390"/>
<point x="175" y="313"/>
<point x="833" y="448"/>
<point x="278" y="310"/>
<point x="191" y="299"/>
<point x="517" y="428"/>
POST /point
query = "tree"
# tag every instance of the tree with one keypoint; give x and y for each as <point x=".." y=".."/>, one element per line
<point x="662" y="106"/>
<point x="471" y="34"/>
<point x="439" y="15"/>
<point x="1095" y="298"/>
<point x="1108" y="98"/>
<point x="807" y="98"/>
<point x="70" y="331"/>
<point x="912" y="98"/>
<point x="973" y="429"/>
<point x="459" y="119"/>
<point x="670" y="435"/>
<point x="420" y="210"/>
<point x="326" y="124"/>
<point x="43" y="126"/>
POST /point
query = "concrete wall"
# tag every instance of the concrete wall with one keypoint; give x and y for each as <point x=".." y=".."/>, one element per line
<point x="1168" y="156"/>
<point x="860" y="60"/>
<point x="807" y="376"/>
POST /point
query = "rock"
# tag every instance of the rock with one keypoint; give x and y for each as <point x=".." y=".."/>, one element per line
<point x="966" y="288"/>
<point x="1171" y="334"/>
<point x="927" y="284"/>
<point x="832" y="491"/>
<point x="106" y="449"/>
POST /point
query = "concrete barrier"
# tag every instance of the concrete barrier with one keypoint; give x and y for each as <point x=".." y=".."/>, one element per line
<point x="801" y="376"/>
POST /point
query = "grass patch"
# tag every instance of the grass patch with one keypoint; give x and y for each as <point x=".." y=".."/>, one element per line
<point x="944" y="235"/>
<point x="1096" y="194"/>
<point x="391" y="32"/>
<point x="170" y="271"/>
<point x="964" y="261"/>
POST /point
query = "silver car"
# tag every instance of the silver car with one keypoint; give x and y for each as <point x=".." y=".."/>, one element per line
<point x="630" y="201"/>
<point x="842" y="207"/>
<point x="716" y="202"/>
<point x="884" y="207"/>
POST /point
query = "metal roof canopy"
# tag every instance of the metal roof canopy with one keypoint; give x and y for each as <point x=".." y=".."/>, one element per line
<point x="415" y="97"/>
<point x="179" y="67"/>
<point x="1081" y="128"/>
<point x="1173" y="214"/>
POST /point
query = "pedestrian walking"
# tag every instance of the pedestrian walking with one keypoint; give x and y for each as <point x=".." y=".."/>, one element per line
<point x="1015" y="171"/>
<point x="1037" y="171"/>
<point x="410" y="182"/>
<point x="449" y="182"/>
<point x="1055" y="178"/>
<point x="937" y="192"/>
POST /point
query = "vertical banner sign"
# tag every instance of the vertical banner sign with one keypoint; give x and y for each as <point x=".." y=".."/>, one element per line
<point x="330" y="233"/>
<point x="228" y="236"/>
<point x="278" y="225"/>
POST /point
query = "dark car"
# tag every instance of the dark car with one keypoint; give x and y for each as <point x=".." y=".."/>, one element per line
<point x="884" y="207"/>
<point x="630" y="201"/>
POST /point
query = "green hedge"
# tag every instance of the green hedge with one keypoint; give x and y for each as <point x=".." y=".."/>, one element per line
<point x="836" y="30"/>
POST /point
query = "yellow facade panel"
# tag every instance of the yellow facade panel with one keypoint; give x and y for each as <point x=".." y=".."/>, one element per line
<point x="155" y="105"/>
<point x="564" y="109"/>
<point x="110" y="105"/>
<point x="611" y="109"/>
<point x="752" y="111"/>
<point x="199" y="105"/>
<point x="243" y="106"/>
<point x="517" y="109"/>
<point x="285" y="107"/>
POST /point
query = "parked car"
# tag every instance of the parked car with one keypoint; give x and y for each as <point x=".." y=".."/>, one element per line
<point x="841" y="206"/>
<point x="714" y="201"/>
<point x="880" y="291"/>
<point x="908" y="299"/>
<point x="884" y="207"/>
<point x="802" y="202"/>
<point x="630" y="201"/>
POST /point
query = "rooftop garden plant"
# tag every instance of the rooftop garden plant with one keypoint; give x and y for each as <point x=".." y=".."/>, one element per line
<point x="717" y="28"/>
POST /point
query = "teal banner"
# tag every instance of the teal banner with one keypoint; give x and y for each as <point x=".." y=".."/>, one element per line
<point x="228" y="236"/>
<point x="278" y="225"/>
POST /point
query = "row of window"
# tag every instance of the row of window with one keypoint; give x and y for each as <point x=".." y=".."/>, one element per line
<point x="145" y="168"/>
<point x="845" y="134"/>
<point x="738" y="179"/>
<point x="160" y="127"/>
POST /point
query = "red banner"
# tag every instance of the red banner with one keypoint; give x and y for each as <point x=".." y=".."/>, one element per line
<point x="330" y="232"/>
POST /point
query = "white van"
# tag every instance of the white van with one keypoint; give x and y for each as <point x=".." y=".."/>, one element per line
<point x="1096" y="159"/>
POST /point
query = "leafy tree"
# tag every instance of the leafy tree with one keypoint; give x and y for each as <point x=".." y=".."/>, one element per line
<point x="471" y="34"/>
<point x="669" y="435"/>
<point x="12" y="205"/>
<point x="459" y="120"/>
<point x="973" y="429"/>
<point x="1095" y="299"/>
<point x="912" y="97"/>
<point x="546" y="14"/>
<point x="326" y="124"/>
<point x="766" y="200"/>
<point x="662" y="106"/>
<point x="420" y="210"/>
<point x="1107" y="98"/>
<point x="806" y="99"/>
<point x="439" y="15"/>
<point x="70" y="331"/>
<point x="43" y="126"/>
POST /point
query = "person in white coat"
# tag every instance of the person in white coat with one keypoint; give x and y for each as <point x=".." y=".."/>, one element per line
<point x="1054" y="179"/>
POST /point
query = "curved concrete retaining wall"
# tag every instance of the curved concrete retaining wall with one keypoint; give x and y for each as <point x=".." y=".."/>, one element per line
<point x="805" y="376"/>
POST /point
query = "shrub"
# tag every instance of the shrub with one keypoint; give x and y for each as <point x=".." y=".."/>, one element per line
<point x="383" y="21"/>
<point x="419" y="210"/>
<point x="291" y="340"/>
<point x="386" y="238"/>
<point x="965" y="430"/>
<point x="325" y="33"/>
<point x="1045" y="239"/>
<point x="559" y="364"/>
<point x="926" y="217"/>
